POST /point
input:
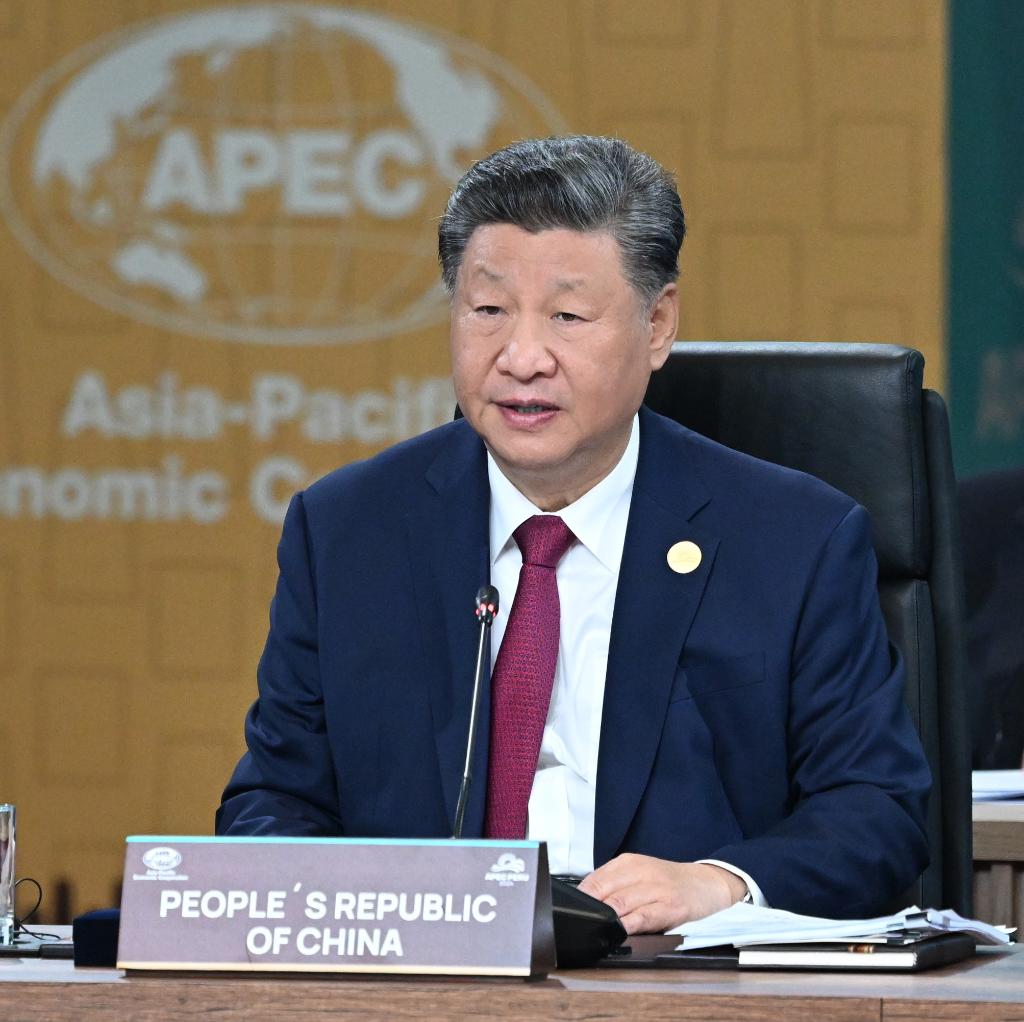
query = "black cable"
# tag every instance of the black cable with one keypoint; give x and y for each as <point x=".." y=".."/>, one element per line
<point x="19" y="924"/>
<point x="40" y="934"/>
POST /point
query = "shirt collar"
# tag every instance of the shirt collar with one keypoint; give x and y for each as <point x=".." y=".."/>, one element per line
<point x="592" y="518"/>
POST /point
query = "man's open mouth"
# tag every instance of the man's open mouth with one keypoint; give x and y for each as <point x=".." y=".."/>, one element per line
<point x="527" y="409"/>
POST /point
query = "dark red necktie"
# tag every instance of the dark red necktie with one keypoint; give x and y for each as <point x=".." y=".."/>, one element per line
<point x="524" y="672"/>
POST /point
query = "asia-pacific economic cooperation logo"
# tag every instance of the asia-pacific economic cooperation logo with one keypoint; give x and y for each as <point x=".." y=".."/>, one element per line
<point x="267" y="173"/>
<point x="161" y="864"/>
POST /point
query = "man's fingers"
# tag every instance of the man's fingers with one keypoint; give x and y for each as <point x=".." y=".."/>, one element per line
<point x="621" y="871"/>
<point x="594" y="885"/>
<point x="645" y="907"/>
<point x="629" y="899"/>
<point x="605" y="888"/>
<point x="644" y="916"/>
<point x="652" y="895"/>
<point x="634" y="922"/>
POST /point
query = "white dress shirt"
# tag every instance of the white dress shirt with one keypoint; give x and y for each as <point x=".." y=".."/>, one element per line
<point x="561" y="810"/>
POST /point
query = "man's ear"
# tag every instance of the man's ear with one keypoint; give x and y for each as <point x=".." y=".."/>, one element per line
<point x="664" y="325"/>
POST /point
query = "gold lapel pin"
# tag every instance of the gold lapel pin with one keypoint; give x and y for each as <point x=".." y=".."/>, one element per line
<point x="683" y="557"/>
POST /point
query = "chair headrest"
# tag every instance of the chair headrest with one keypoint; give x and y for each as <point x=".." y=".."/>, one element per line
<point x="850" y="414"/>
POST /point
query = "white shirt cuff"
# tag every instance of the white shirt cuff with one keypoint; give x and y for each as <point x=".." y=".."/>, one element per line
<point x="756" y="897"/>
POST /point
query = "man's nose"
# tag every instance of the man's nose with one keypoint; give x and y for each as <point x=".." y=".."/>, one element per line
<point x="526" y="352"/>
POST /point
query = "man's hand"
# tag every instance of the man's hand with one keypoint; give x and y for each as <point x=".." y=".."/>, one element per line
<point x="653" y="895"/>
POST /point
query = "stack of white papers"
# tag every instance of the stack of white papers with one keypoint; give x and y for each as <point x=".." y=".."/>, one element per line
<point x="989" y="785"/>
<point x="744" y="924"/>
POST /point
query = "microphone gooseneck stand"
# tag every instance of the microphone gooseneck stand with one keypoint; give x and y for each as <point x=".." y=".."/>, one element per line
<point x="585" y="929"/>
<point x="486" y="611"/>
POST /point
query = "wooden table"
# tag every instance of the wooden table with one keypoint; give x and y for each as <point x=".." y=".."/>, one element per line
<point x="989" y="987"/>
<point x="999" y="862"/>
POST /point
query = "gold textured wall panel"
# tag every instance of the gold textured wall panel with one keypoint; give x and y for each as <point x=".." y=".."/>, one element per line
<point x="807" y="136"/>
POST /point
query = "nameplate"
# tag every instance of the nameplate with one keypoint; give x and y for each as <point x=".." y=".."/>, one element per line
<point x="478" y="908"/>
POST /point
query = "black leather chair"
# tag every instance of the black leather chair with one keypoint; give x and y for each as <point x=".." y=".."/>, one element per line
<point x="856" y="416"/>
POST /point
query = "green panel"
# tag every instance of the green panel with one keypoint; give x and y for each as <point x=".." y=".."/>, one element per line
<point x="986" y="283"/>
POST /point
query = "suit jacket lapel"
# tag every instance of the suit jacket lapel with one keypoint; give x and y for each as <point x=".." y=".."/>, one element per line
<point x="449" y="544"/>
<point x="654" y="608"/>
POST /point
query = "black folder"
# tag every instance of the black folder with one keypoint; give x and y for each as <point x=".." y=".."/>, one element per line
<point x="917" y="956"/>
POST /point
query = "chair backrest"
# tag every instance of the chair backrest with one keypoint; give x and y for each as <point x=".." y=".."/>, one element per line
<point x="856" y="416"/>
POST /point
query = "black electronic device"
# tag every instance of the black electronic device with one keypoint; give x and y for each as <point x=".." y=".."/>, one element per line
<point x="585" y="929"/>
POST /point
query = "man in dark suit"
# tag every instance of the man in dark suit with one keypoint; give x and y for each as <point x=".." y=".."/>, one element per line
<point x="695" y="670"/>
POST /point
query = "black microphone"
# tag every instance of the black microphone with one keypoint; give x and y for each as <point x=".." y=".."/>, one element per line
<point x="585" y="929"/>
<point x="486" y="611"/>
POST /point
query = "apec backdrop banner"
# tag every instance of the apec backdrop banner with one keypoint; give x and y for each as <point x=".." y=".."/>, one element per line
<point x="263" y="175"/>
<point x="218" y="241"/>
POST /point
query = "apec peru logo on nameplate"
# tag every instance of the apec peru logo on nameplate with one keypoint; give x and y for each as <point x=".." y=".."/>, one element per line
<point x="336" y="905"/>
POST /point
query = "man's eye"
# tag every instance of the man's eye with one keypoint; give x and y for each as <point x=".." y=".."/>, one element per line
<point x="567" y="317"/>
<point x="488" y="310"/>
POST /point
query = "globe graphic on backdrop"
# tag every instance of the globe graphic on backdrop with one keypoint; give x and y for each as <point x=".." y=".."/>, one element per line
<point x="269" y="174"/>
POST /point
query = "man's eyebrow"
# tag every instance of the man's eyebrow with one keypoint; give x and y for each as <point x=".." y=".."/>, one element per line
<point x="485" y="271"/>
<point x="570" y="284"/>
<point x="560" y="285"/>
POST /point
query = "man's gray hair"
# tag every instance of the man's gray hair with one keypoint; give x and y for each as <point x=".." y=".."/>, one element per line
<point x="579" y="183"/>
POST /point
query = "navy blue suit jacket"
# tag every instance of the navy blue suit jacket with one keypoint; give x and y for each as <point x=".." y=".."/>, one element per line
<point x="753" y="709"/>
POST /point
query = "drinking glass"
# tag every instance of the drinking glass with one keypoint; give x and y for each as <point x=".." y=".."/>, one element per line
<point x="7" y="818"/>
